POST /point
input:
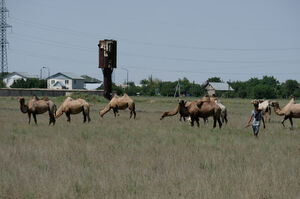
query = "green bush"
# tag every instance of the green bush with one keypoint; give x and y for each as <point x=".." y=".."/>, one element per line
<point x="30" y="83"/>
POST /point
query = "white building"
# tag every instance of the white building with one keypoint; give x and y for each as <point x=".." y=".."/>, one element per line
<point x="91" y="83"/>
<point x="65" y="80"/>
<point x="12" y="77"/>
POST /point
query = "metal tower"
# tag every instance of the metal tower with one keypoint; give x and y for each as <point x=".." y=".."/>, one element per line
<point x="3" y="42"/>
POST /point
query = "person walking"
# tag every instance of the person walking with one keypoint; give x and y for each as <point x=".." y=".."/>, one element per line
<point x="257" y="116"/>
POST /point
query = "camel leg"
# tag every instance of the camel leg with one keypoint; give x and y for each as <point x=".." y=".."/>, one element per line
<point x="84" y="116"/>
<point x="220" y="123"/>
<point x="50" y="118"/>
<point x="225" y="118"/>
<point x="29" y="117"/>
<point x="68" y="116"/>
<point x="291" y="121"/>
<point x="115" y="112"/>
<point x="180" y="118"/>
<point x="34" y="117"/>
<point x="285" y="118"/>
<point x="88" y="116"/>
<point x="86" y="111"/>
<point x="269" y="114"/>
<point x="134" y="113"/>
<point x="53" y="119"/>
<point x="192" y="121"/>
<point x="215" y="122"/>
<point x="222" y="118"/>
<point x="197" y="121"/>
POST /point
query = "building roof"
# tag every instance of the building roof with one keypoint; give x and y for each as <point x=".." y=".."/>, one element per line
<point x="219" y="86"/>
<point x="22" y="74"/>
<point x="66" y="74"/>
<point x="88" y="79"/>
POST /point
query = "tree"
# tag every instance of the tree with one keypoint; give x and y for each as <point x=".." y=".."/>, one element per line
<point x="214" y="79"/>
<point x="289" y="87"/>
<point x="2" y="84"/>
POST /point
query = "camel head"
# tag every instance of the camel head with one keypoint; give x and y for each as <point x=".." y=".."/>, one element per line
<point x="257" y="101"/>
<point x="23" y="106"/>
<point x="182" y="102"/>
<point x="275" y="104"/>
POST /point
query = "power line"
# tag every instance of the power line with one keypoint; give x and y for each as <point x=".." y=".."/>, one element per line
<point x="131" y="41"/>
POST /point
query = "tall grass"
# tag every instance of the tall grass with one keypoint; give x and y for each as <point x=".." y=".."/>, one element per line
<point x="146" y="157"/>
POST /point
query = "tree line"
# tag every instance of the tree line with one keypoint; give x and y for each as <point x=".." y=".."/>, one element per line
<point x="267" y="87"/>
<point x="255" y="88"/>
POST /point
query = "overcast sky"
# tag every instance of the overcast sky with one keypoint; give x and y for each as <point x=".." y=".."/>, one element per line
<point x="170" y="39"/>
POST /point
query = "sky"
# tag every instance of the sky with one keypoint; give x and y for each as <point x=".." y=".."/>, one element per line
<point x="168" y="39"/>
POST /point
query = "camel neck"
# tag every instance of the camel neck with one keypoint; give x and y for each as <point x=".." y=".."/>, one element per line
<point x="278" y="111"/>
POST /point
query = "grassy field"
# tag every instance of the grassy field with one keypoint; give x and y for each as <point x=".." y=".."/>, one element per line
<point x="146" y="157"/>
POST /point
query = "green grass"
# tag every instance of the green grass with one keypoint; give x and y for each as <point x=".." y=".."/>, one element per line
<point x="146" y="157"/>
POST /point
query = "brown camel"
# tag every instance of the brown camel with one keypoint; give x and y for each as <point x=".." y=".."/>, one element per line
<point x="208" y="108"/>
<point x="120" y="103"/>
<point x="38" y="106"/>
<point x="74" y="106"/>
<point x="289" y="111"/>
<point x="265" y="106"/>
<point x="196" y="109"/>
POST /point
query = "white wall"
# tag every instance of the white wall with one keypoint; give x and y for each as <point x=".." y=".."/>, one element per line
<point x="72" y="84"/>
<point x="52" y="82"/>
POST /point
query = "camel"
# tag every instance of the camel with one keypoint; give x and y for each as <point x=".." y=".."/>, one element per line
<point x="289" y="111"/>
<point x="223" y="108"/>
<point x="208" y="108"/>
<point x="120" y="103"/>
<point x="196" y="109"/>
<point x="265" y="106"/>
<point x="71" y="106"/>
<point x="38" y="106"/>
<point x="183" y="112"/>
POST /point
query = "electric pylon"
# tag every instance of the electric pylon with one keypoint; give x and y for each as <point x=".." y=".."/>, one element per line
<point x="3" y="41"/>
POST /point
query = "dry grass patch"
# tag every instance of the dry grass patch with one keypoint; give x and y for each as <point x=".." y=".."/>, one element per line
<point x="146" y="157"/>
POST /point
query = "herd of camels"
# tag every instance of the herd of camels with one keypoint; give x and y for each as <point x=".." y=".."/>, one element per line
<point x="201" y="108"/>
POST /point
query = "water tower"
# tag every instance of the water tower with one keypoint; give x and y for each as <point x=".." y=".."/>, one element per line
<point x="107" y="62"/>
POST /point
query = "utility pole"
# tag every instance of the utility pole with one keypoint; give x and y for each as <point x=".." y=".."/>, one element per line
<point x="42" y="71"/>
<point x="3" y="42"/>
<point x="127" y="75"/>
<point x="177" y="89"/>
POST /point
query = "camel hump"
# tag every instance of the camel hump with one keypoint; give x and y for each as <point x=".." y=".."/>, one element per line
<point x="45" y="98"/>
<point x="35" y="97"/>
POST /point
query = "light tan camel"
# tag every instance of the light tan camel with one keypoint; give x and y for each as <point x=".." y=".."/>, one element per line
<point x="223" y="108"/>
<point x="74" y="106"/>
<point x="120" y="103"/>
<point x="38" y="106"/>
<point x="289" y="111"/>
<point x="265" y="106"/>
